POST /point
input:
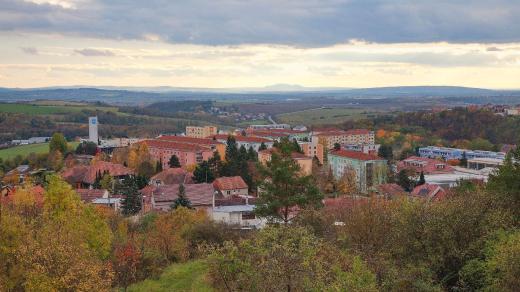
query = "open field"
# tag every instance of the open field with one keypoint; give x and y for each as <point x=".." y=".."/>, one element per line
<point x="25" y="150"/>
<point x="321" y="116"/>
<point x="38" y="109"/>
<point x="190" y="276"/>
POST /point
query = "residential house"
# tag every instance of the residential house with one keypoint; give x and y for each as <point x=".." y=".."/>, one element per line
<point x="369" y="170"/>
<point x="390" y="191"/>
<point x="171" y="176"/>
<point x="83" y="176"/>
<point x="242" y="216"/>
<point x="100" y="197"/>
<point x="424" y="165"/>
<point x="201" y="196"/>
<point x="429" y="192"/>
<point x="231" y="186"/>
<point x="17" y="175"/>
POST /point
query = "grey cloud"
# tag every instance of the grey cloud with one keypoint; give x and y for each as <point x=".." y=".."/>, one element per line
<point x="493" y="49"/>
<point x="30" y="50"/>
<point x="95" y="52"/>
<point x="293" y="22"/>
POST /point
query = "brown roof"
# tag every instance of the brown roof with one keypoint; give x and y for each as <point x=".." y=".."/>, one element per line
<point x="198" y="194"/>
<point x="354" y="155"/>
<point x="172" y="176"/>
<point x="113" y="169"/>
<point x="88" y="195"/>
<point x="75" y="174"/>
<point x="429" y="191"/>
<point x="391" y="190"/>
<point x="426" y="165"/>
<point x="229" y="183"/>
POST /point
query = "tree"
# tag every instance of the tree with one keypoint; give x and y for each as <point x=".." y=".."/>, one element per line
<point x="422" y="180"/>
<point x="386" y="151"/>
<point x="464" y="160"/>
<point x="58" y="143"/>
<point x="55" y="160"/>
<point x="251" y="154"/>
<point x="146" y="169"/>
<point x="262" y="147"/>
<point x="182" y="200"/>
<point x="87" y="148"/>
<point x="231" y="149"/>
<point x="337" y="146"/>
<point x="348" y="183"/>
<point x="283" y="187"/>
<point x="287" y="258"/>
<point x="203" y="173"/>
<point x="174" y="161"/>
<point x="158" y="166"/>
<point x="404" y="180"/>
<point x="107" y="182"/>
<point x="132" y="200"/>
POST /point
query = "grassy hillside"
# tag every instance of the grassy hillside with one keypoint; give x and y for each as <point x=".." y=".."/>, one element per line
<point x="25" y="150"/>
<point x="190" y="276"/>
<point x="45" y="109"/>
<point x="320" y="116"/>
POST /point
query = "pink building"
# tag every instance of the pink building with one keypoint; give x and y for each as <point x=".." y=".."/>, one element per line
<point x="425" y="165"/>
<point x="188" y="154"/>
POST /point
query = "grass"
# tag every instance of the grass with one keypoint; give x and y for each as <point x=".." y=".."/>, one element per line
<point x="321" y="116"/>
<point x="190" y="276"/>
<point x="25" y="150"/>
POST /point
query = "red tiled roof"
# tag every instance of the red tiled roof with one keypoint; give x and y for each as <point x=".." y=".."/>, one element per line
<point x="266" y="133"/>
<point x="429" y="191"/>
<point x="75" y="174"/>
<point x="166" y="144"/>
<point x="391" y="190"/>
<point x="430" y="166"/>
<point x="240" y="138"/>
<point x="337" y="132"/>
<point x="198" y="194"/>
<point x="354" y="155"/>
<point x="229" y="183"/>
<point x="113" y="169"/>
<point x="171" y="176"/>
<point x="188" y="140"/>
<point x="88" y="195"/>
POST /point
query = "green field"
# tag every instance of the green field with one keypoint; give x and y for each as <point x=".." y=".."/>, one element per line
<point x="321" y="116"/>
<point x="39" y="109"/>
<point x="190" y="276"/>
<point x="25" y="150"/>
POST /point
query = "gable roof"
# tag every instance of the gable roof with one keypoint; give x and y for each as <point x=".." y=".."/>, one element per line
<point x="198" y="194"/>
<point x="230" y="183"/>
<point x="354" y="155"/>
<point x="247" y="139"/>
<point x="87" y="174"/>
<point x="390" y="190"/>
<point x="89" y="195"/>
<point x="429" y="191"/>
<point x="426" y="165"/>
<point x="172" y="176"/>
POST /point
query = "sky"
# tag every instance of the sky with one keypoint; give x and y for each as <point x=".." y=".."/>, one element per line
<point x="252" y="43"/>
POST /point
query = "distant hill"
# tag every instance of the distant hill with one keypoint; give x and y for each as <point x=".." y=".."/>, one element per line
<point x="147" y="95"/>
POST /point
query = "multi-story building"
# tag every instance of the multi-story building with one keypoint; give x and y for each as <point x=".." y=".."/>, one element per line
<point x="201" y="132"/>
<point x="369" y="170"/>
<point x="206" y="142"/>
<point x="188" y="154"/>
<point x="277" y="134"/>
<point x="270" y="126"/>
<point x="313" y="149"/>
<point x="246" y="141"/>
<point x="305" y="162"/>
<point x="365" y="148"/>
<point x="357" y="136"/>
<point x="455" y="153"/>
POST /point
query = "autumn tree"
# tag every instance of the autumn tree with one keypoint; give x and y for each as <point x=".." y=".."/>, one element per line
<point x="348" y="183"/>
<point x="283" y="187"/>
<point x="58" y="143"/>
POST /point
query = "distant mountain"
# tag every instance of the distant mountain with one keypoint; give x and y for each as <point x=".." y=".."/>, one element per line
<point x="146" y="95"/>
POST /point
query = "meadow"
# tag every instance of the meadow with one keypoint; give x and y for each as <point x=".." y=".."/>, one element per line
<point x="25" y="150"/>
<point x="48" y="108"/>
<point x="189" y="276"/>
<point x="322" y="116"/>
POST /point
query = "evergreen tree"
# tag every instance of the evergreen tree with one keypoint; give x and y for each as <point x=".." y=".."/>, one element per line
<point x="132" y="199"/>
<point x="421" y="179"/>
<point x="182" y="200"/>
<point x="386" y="152"/>
<point x="97" y="181"/>
<point x="231" y="149"/>
<point x="242" y="154"/>
<point x="337" y="146"/>
<point x="262" y="147"/>
<point x="252" y="155"/>
<point x="297" y="147"/>
<point x="215" y="164"/>
<point x="174" y="162"/>
<point x="404" y="180"/>
<point x="203" y="173"/>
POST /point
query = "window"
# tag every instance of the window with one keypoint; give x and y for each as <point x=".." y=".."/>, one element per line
<point x="248" y="216"/>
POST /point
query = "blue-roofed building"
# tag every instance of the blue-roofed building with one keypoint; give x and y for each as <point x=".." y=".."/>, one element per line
<point x="455" y="153"/>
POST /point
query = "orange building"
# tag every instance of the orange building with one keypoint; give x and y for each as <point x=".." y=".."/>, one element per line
<point x="357" y="136"/>
<point x="313" y="149"/>
<point x="201" y="132"/>
<point x="305" y="162"/>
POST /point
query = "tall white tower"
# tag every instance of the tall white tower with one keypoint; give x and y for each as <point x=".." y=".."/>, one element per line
<point x="93" y="129"/>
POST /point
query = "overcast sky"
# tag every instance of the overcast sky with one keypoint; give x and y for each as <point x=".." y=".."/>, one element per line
<point x="241" y="43"/>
